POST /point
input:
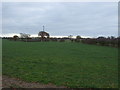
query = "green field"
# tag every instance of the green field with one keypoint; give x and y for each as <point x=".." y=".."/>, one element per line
<point x="61" y="63"/>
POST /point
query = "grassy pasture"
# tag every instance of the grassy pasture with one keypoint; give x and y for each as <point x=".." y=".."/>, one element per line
<point x="61" y="63"/>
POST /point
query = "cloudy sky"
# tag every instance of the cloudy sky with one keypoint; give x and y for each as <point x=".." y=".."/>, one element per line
<point x="91" y="19"/>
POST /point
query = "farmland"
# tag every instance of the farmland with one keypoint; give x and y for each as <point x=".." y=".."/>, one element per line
<point x="61" y="63"/>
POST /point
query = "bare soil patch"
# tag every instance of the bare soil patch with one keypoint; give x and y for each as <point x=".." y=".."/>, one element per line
<point x="8" y="82"/>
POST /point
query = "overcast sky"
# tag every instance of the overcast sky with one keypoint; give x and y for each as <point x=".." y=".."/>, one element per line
<point x="61" y="18"/>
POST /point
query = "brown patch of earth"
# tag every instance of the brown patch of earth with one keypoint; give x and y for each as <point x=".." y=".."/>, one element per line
<point x="8" y="82"/>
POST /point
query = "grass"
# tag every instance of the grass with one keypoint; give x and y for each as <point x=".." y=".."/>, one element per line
<point x="61" y="63"/>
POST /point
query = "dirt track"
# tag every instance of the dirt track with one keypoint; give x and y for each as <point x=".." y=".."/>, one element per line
<point x="8" y="82"/>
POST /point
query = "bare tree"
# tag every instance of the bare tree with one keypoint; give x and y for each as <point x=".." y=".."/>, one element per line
<point x="70" y="36"/>
<point x="23" y="35"/>
<point x="44" y="35"/>
<point x="15" y="37"/>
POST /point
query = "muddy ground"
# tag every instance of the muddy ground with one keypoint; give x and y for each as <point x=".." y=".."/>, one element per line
<point x="8" y="82"/>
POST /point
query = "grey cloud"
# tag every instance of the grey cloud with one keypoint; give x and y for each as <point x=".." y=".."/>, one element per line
<point x="87" y="19"/>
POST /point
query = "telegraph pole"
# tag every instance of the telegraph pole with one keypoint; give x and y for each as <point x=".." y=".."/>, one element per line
<point x="43" y="28"/>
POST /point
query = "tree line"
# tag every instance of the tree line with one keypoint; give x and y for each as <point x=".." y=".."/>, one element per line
<point x="102" y="41"/>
